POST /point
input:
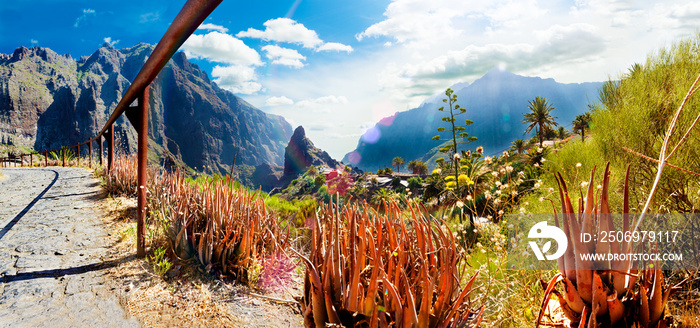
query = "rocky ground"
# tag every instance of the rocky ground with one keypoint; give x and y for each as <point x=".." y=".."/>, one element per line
<point x="52" y="248"/>
<point x="67" y="260"/>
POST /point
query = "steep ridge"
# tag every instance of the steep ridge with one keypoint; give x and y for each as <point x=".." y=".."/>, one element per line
<point x="495" y="103"/>
<point x="49" y="100"/>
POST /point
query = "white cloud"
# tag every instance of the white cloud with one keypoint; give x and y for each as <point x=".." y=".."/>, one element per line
<point x="322" y="104"/>
<point x="278" y="101"/>
<point x="212" y="27"/>
<point x="149" y="17"/>
<point x="557" y="44"/>
<point x="221" y="48"/>
<point x="334" y="46"/>
<point x="86" y="13"/>
<point x="284" y="56"/>
<point x="284" y="30"/>
<point x="34" y="41"/>
<point x="236" y="78"/>
<point x="109" y="40"/>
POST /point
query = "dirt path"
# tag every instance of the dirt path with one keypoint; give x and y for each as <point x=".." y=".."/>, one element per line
<point x="52" y="244"/>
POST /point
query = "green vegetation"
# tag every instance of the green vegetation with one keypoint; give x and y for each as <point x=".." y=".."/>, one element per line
<point x="398" y="162"/>
<point x="539" y="117"/>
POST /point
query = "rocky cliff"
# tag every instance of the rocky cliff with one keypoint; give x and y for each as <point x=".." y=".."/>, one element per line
<point x="49" y="100"/>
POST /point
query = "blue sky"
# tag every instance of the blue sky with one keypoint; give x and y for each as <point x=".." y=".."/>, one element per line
<point x="337" y="67"/>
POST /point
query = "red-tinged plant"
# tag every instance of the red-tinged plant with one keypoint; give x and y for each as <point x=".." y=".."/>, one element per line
<point x="122" y="179"/>
<point x="616" y="297"/>
<point x="224" y="228"/>
<point x="372" y="269"/>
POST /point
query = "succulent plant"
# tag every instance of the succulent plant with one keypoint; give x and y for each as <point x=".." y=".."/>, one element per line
<point x="385" y="269"/>
<point x="619" y="296"/>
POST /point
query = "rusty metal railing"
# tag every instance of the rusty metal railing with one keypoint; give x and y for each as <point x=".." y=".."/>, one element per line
<point x="190" y="17"/>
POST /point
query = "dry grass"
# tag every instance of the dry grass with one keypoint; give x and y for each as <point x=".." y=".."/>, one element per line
<point x="186" y="296"/>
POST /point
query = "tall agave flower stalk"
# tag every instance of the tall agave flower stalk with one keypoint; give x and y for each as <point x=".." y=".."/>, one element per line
<point x="371" y="269"/>
<point x="616" y="297"/>
<point x="224" y="228"/>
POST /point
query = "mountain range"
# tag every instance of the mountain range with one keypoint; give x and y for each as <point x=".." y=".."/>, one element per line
<point x="49" y="100"/>
<point x="494" y="102"/>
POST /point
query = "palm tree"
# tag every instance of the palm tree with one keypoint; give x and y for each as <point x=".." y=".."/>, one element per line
<point x="417" y="167"/>
<point x="519" y="145"/>
<point x="398" y="162"/>
<point x="539" y="116"/>
<point x="562" y="133"/>
<point x="580" y="124"/>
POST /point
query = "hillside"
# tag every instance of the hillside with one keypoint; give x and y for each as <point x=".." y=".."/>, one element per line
<point x="495" y="103"/>
<point x="49" y="100"/>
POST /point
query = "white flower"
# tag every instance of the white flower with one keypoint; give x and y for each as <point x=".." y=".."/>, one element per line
<point x="457" y="156"/>
<point x="500" y="212"/>
<point x="598" y="187"/>
<point x="509" y="168"/>
<point x="505" y="154"/>
<point x="522" y="210"/>
<point x="494" y="173"/>
<point x="551" y="189"/>
<point x="487" y="194"/>
<point x="543" y="160"/>
<point x="488" y="160"/>
<point x="536" y="165"/>
<point x="514" y="193"/>
<point x="578" y="165"/>
<point x="537" y="185"/>
<point x="527" y="203"/>
<point x="498" y="183"/>
<point x="541" y="199"/>
<point x="438" y="171"/>
<point x="539" y="149"/>
<point x="498" y="192"/>
<point x="521" y="174"/>
<point x="496" y="201"/>
<point x="505" y="186"/>
<point x="469" y="197"/>
<point x="489" y="217"/>
<point x="460" y="204"/>
<point x="584" y="184"/>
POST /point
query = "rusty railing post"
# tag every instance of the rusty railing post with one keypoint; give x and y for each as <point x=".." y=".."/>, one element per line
<point x="110" y="148"/>
<point x="21" y="160"/>
<point x="63" y="155"/>
<point x="90" y="154"/>
<point x="46" y="158"/>
<point x="142" y="172"/>
<point x="31" y="159"/>
<point x="78" y="155"/>
<point x="99" y="138"/>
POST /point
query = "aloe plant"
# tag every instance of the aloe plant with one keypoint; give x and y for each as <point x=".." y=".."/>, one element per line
<point x="382" y="269"/>
<point x="617" y="297"/>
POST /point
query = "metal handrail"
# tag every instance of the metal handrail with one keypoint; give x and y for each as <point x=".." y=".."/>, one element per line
<point x="192" y="14"/>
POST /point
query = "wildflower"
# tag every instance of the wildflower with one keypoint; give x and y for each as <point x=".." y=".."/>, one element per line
<point x="551" y="189"/>
<point x="505" y="186"/>
<point x="522" y="210"/>
<point x="500" y="212"/>
<point x="450" y="178"/>
<point x="488" y="160"/>
<point x="489" y="217"/>
<point x="578" y="165"/>
<point x="521" y="174"/>
<point x="480" y="150"/>
<point x="469" y="197"/>
<point x="498" y="183"/>
<point x="527" y="203"/>
<point x="469" y="153"/>
<point x="437" y="171"/>
<point x="487" y="194"/>
<point x="537" y="185"/>
<point x="498" y="192"/>
<point x="539" y="181"/>
<point x="457" y="156"/>
<point x="505" y="154"/>
<point x="536" y="165"/>
<point x="509" y="169"/>
<point x="503" y="171"/>
<point x="584" y="184"/>
<point x="514" y="193"/>
<point x="541" y="199"/>
<point x="543" y="160"/>
<point x="496" y="201"/>
<point x="459" y="204"/>
<point x="494" y="173"/>
<point x="539" y="149"/>
<point x="464" y="179"/>
<point x="598" y="187"/>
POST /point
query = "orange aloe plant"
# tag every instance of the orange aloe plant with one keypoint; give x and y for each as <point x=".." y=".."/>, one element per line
<point x="618" y="296"/>
<point x="372" y="269"/>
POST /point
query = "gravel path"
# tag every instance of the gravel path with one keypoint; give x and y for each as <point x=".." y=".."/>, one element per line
<point x="52" y="240"/>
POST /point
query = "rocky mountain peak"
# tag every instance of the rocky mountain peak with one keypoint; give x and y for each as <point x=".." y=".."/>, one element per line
<point x="301" y="153"/>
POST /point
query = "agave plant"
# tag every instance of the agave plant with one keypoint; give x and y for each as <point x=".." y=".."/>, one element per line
<point x="618" y="296"/>
<point x="372" y="269"/>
